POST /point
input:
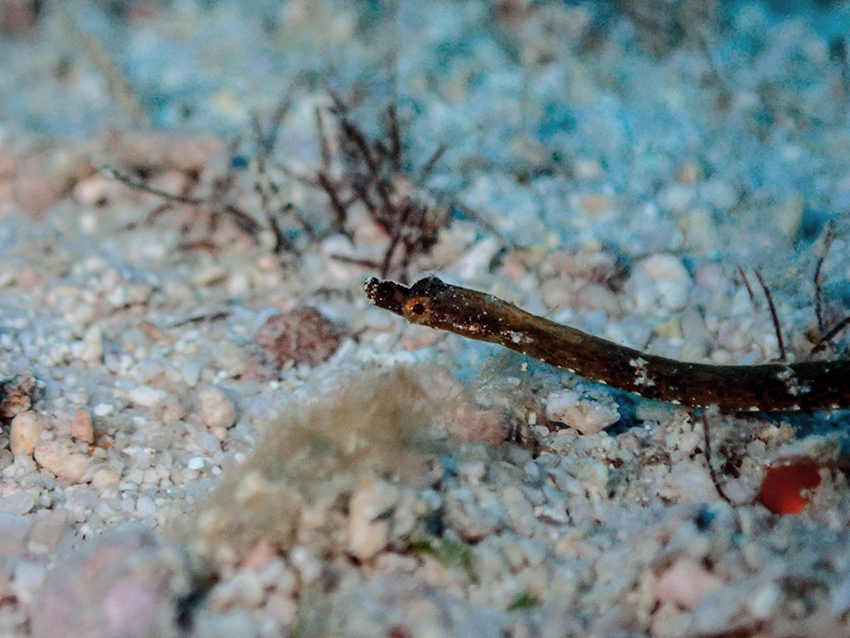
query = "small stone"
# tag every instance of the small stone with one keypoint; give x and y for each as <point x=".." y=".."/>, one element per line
<point x="684" y="584"/>
<point x="215" y="408"/>
<point x="146" y="396"/>
<point x="145" y="506"/>
<point x="589" y="414"/>
<point x="62" y="459"/>
<point x="26" y="580"/>
<point x="191" y="372"/>
<point x="25" y="432"/>
<point x="243" y="590"/>
<point x="33" y="191"/>
<point x="689" y="173"/>
<point x="210" y="276"/>
<point x="309" y="565"/>
<point x="92" y="345"/>
<point x="661" y="279"/>
<point x="302" y="336"/>
<point x="474" y="514"/>
<point x="472" y="473"/>
<point x="596" y="203"/>
<point x="763" y="603"/>
<point x="49" y="528"/>
<point x="102" y="409"/>
<point x="92" y="191"/>
<point x="120" y="584"/>
<point x="18" y="502"/>
<point x="13" y="530"/>
<point x="369" y="530"/>
<point x="16" y="395"/>
<point x="103" y="478"/>
<point x="82" y="428"/>
<point x="676" y="197"/>
<point x="470" y="423"/>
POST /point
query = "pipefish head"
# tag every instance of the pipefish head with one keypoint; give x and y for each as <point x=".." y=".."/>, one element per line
<point x="436" y="304"/>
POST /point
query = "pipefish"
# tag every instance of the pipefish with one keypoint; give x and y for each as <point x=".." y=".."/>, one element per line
<point x="770" y="387"/>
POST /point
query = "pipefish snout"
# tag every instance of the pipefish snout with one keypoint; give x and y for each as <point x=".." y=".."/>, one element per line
<point x="770" y="387"/>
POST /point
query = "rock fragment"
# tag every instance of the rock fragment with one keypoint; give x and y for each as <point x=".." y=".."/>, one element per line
<point x="82" y="428"/>
<point x="124" y="583"/>
<point x="302" y="336"/>
<point x="589" y="414"/>
<point x="215" y="408"/>
<point x="62" y="459"/>
<point x="25" y="432"/>
<point x="16" y="395"/>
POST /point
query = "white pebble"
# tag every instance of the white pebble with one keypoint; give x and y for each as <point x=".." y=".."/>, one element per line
<point x="191" y="372"/>
<point x="18" y="502"/>
<point x="62" y="459"/>
<point x="104" y="478"/>
<point x="146" y="396"/>
<point x="309" y="566"/>
<point x="586" y="414"/>
<point x="27" y="580"/>
<point x="764" y="602"/>
<point x="145" y="506"/>
<point x="215" y="408"/>
<point x="25" y="432"/>
<point x="92" y="191"/>
<point x="102" y="409"/>
<point x="369" y="532"/>
<point x="92" y="345"/>
<point x="685" y="584"/>
<point x="195" y="463"/>
<point x="661" y="279"/>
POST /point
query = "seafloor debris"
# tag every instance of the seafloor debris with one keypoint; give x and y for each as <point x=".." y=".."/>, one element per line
<point x="16" y="396"/>
<point x="302" y="336"/>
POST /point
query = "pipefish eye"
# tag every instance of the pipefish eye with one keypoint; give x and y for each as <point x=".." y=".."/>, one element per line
<point x="417" y="308"/>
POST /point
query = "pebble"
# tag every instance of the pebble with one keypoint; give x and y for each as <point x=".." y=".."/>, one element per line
<point x="660" y="279"/>
<point x="586" y="414"/>
<point x="93" y="190"/>
<point x="91" y="350"/>
<point x="146" y="396"/>
<point x="13" y="530"/>
<point x="48" y="529"/>
<point x="103" y="409"/>
<point x="472" y="473"/>
<point x="474" y="514"/>
<point x="369" y="529"/>
<point x="124" y="583"/>
<point x="18" y="502"/>
<point x="470" y="423"/>
<point x="684" y="584"/>
<point x="17" y="395"/>
<point x="82" y="428"/>
<point x="27" y="578"/>
<point x="302" y="336"/>
<point x="25" y="432"/>
<point x="62" y="459"/>
<point x="243" y="589"/>
<point x="190" y="371"/>
<point x="215" y="407"/>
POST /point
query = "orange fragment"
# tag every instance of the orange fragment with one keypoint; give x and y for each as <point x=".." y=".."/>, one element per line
<point x="781" y="487"/>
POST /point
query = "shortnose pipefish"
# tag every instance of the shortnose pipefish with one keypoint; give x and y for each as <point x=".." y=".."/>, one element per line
<point x="770" y="387"/>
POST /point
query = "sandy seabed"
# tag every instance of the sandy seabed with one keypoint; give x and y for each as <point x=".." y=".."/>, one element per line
<point x="208" y="431"/>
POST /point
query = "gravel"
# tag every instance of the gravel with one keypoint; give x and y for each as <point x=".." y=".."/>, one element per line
<point x="202" y="436"/>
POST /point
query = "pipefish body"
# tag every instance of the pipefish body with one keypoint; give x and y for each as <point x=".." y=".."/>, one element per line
<point x="769" y="387"/>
